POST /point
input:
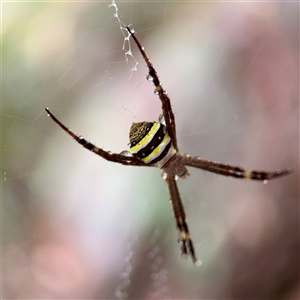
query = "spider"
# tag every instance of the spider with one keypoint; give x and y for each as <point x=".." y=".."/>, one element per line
<point x="155" y="144"/>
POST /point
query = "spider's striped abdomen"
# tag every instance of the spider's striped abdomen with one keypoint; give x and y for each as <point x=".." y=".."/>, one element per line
<point x="150" y="142"/>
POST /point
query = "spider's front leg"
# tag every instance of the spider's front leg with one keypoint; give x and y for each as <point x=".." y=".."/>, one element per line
<point x="187" y="247"/>
<point x="233" y="171"/>
<point x="114" y="157"/>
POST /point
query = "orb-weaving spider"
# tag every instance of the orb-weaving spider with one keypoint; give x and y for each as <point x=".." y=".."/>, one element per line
<point x="155" y="144"/>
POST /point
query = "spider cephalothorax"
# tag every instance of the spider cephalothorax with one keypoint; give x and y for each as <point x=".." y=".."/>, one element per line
<point x="155" y="144"/>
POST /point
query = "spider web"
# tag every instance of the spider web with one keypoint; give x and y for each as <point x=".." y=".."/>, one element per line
<point x="75" y="225"/>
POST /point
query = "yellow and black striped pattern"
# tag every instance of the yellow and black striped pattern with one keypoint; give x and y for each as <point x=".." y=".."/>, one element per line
<point x="150" y="142"/>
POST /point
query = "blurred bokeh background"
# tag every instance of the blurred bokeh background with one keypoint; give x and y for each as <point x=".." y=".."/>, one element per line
<point x="76" y="226"/>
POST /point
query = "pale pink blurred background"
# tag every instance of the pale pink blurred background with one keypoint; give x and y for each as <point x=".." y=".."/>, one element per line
<point x="76" y="226"/>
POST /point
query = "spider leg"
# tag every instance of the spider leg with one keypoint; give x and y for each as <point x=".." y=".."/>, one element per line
<point x="186" y="243"/>
<point x="114" y="157"/>
<point x="165" y="100"/>
<point x="233" y="171"/>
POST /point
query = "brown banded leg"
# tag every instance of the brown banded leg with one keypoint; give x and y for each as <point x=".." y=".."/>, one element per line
<point x="114" y="157"/>
<point x="233" y="171"/>
<point x="187" y="247"/>
<point x="166" y="103"/>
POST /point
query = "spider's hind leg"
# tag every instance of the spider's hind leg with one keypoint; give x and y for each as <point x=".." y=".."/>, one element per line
<point x="165" y="100"/>
<point x="122" y="158"/>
